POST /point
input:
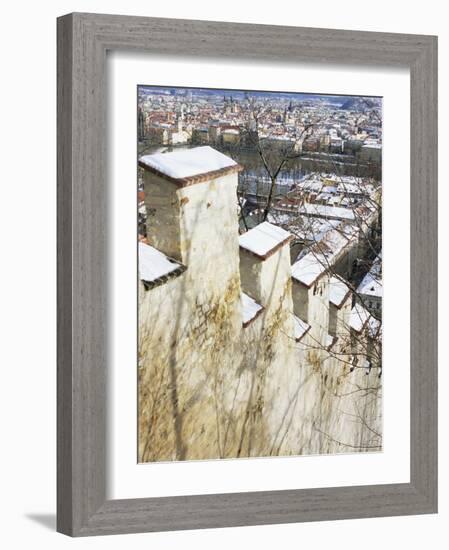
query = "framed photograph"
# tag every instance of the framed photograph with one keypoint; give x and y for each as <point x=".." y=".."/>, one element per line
<point x="247" y="274"/>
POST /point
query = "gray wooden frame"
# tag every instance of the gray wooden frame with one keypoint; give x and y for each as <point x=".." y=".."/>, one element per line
<point x="83" y="40"/>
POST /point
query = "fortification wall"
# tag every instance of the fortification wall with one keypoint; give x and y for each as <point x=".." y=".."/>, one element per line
<point x="210" y="387"/>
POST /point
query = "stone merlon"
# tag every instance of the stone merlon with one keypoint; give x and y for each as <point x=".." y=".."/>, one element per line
<point x="190" y="200"/>
<point x="190" y="166"/>
<point x="264" y="240"/>
<point x="265" y="268"/>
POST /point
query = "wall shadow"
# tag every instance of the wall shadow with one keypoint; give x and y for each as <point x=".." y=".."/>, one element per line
<point x="46" y="520"/>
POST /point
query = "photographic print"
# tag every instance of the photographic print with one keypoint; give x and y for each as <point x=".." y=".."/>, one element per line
<point x="259" y="274"/>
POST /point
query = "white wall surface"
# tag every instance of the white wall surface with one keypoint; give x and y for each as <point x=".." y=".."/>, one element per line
<point x="27" y="277"/>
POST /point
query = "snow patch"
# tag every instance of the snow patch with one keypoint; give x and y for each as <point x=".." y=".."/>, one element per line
<point x="371" y="284"/>
<point x="250" y="308"/>
<point x="263" y="238"/>
<point x="325" y="211"/>
<point x="153" y="264"/>
<point x="300" y="327"/>
<point x="188" y="162"/>
<point x="338" y="290"/>
<point x="359" y="317"/>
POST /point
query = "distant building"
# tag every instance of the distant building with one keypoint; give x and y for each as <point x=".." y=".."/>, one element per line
<point x="352" y="145"/>
<point x="179" y="136"/>
<point x="159" y="135"/>
<point x="325" y="141"/>
<point x="371" y="151"/>
<point x="336" y="145"/>
<point x="200" y="136"/>
<point x="214" y="133"/>
<point x="311" y="144"/>
<point x="230" y="136"/>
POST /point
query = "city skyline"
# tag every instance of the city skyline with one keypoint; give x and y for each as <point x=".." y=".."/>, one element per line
<point x="240" y="94"/>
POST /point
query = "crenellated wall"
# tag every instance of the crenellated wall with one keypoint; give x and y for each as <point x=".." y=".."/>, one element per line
<point x="212" y="386"/>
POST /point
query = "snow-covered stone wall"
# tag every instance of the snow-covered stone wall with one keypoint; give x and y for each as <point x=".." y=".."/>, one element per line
<point x="225" y="369"/>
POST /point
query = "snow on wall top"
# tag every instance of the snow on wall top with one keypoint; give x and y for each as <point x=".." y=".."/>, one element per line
<point x="250" y="308"/>
<point x="374" y="328"/>
<point x="154" y="264"/>
<point x="264" y="239"/>
<point x="308" y="268"/>
<point x="371" y="284"/>
<point x="359" y="317"/>
<point x="330" y="341"/>
<point x="188" y="162"/>
<point x="338" y="290"/>
<point x="300" y="327"/>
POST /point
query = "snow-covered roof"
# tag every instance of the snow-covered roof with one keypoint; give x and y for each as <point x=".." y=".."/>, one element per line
<point x="338" y="291"/>
<point x="326" y="211"/>
<point x="359" y="317"/>
<point x="188" y="163"/>
<point x="371" y="284"/>
<point x="280" y="218"/>
<point x="372" y="146"/>
<point x="300" y="328"/>
<point x="264" y="239"/>
<point x="250" y="309"/>
<point x="154" y="266"/>
<point x="311" y="185"/>
<point x="303" y="227"/>
<point x="356" y="188"/>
